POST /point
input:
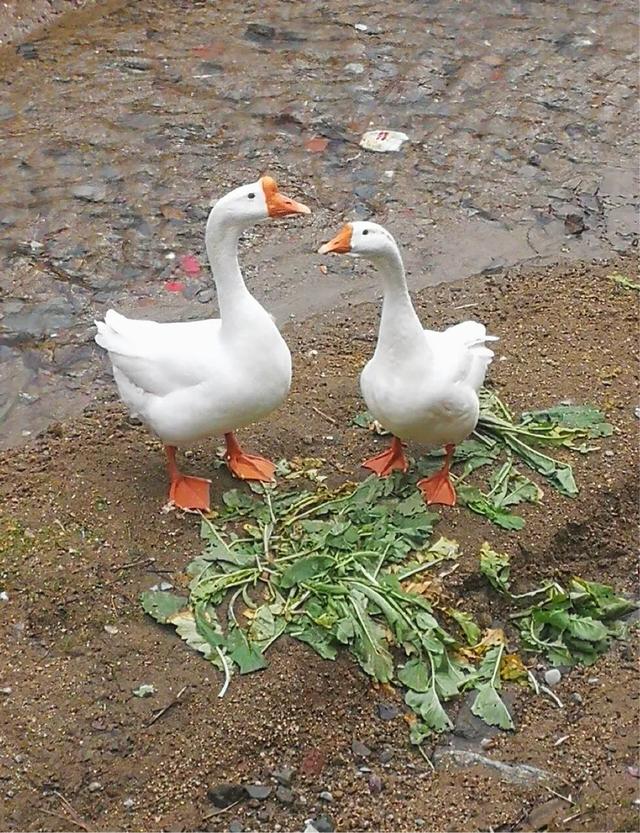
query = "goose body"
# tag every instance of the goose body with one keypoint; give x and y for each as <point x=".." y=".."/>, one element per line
<point x="191" y="380"/>
<point x="197" y="379"/>
<point x="422" y="385"/>
<point x="430" y="395"/>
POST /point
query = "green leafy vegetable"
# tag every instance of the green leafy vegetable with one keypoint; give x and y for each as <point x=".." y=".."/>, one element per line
<point x="162" y="606"/>
<point x="304" y="569"/>
<point x="429" y="707"/>
<point x="624" y="281"/>
<point x="569" y="627"/>
<point x="488" y="704"/>
<point x="467" y="624"/>
<point x="496" y="567"/>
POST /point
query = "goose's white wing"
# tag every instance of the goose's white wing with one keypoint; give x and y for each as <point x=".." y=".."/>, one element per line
<point x="159" y="358"/>
<point x="461" y="353"/>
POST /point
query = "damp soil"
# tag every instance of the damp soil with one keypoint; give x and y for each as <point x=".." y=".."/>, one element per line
<point x="84" y="532"/>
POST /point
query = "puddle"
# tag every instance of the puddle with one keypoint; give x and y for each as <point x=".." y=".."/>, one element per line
<point x="118" y="129"/>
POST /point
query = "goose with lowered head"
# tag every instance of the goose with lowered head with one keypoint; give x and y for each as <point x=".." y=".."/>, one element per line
<point x="191" y="380"/>
<point x="422" y="385"/>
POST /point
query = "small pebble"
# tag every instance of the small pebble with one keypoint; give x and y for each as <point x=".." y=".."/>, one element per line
<point x="593" y="680"/>
<point x="323" y="824"/>
<point x="577" y="698"/>
<point x="552" y="676"/>
<point x="609" y="454"/>
<point x="375" y="784"/>
<point x="325" y="795"/>
<point x="236" y="826"/>
<point x="419" y="822"/>
<point x="95" y="786"/>
<point x="386" y="755"/>
<point x="360" y="749"/>
<point x="258" y="791"/>
<point x="388" y="711"/>
<point x="128" y="803"/>
<point x="284" y="795"/>
<point x="283" y="776"/>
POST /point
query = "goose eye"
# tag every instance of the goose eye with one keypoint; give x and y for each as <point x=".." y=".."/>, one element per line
<point x="365" y="231"/>
<point x="251" y="196"/>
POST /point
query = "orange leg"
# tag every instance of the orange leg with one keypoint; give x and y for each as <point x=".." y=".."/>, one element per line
<point x="247" y="466"/>
<point x="438" y="488"/>
<point x="392" y="459"/>
<point x="186" y="492"/>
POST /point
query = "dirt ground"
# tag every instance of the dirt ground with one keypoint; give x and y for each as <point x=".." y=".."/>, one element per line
<point x="83" y="533"/>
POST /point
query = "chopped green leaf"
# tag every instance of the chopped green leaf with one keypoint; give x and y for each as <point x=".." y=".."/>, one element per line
<point x="246" y="656"/>
<point x="304" y="569"/>
<point x="496" y="567"/>
<point x="467" y="624"/>
<point x="429" y="707"/>
<point x="161" y="605"/>
<point x="489" y="706"/>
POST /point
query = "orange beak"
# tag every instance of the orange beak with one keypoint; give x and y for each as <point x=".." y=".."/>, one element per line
<point x="341" y="243"/>
<point x="277" y="204"/>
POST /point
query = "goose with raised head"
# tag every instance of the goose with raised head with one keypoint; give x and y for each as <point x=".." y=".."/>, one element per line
<point x="422" y="385"/>
<point x="191" y="380"/>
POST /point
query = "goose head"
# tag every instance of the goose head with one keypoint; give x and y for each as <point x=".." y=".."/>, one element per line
<point x="361" y="239"/>
<point x="249" y="204"/>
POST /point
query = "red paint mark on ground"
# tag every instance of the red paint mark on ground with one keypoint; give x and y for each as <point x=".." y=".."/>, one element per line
<point x="317" y="144"/>
<point x="190" y="265"/>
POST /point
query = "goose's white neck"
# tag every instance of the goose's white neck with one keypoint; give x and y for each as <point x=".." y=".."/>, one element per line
<point x="221" y="239"/>
<point x="400" y="326"/>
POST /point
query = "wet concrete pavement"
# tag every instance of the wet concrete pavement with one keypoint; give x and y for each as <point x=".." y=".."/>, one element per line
<point x="118" y="128"/>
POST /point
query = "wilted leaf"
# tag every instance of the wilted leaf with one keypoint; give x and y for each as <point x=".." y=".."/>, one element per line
<point x="428" y="706"/>
<point x="489" y="706"/>
<point x="496" y="567"/>
<point x="304" y="569"/>
<point x="624" y="281"/>
<point x="512" y="668"/>
<point x="144" y="690"/>
<point x="414" y="675"/>
<point x="185" y="625"/>
<point x="162" y="605"/>
<point x="419" y="732"/>
<point x="467" y="625"/>
<point x="586" y="628"/>
<point x="320" y="639"/>
<point x="263" y="625"/>
<point x="491" y="638"/>
<point x="246" y="656"/>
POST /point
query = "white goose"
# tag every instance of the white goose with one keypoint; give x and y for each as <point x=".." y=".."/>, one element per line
<point x="198" y="379"/>
<point x="422" y="385"/>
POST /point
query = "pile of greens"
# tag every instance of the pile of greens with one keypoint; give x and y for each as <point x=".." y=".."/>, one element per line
<point x="355" y="568"/>
<point x="499" y="444"/>
<point x="567" y="626"/>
